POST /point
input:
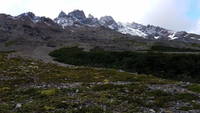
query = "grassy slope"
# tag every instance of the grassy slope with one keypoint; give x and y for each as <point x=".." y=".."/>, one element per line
<point x="28" y="86"/>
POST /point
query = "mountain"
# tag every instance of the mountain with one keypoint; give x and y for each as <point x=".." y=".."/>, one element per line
<point x="29" y="33"/>
<point x="36" y="36"/>
<point x="29" y="85"/>
<point x="78" y="17"/>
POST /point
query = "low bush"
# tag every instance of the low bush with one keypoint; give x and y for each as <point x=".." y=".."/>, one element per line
<point x="175" y="66"/>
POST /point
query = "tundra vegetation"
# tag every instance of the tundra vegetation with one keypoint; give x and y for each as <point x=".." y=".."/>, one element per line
<point x="28" y="86"/>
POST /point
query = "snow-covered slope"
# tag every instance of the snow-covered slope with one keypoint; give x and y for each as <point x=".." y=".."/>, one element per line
<point x="127" y="29"/>
<point x="108" y="21"/>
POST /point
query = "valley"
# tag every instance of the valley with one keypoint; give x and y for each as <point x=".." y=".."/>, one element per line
<point x="81" y="64"/>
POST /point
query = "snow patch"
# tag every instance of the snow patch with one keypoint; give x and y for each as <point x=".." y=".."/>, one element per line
<point x="172" y="36"/>
<point x="194" y="38"/>
<point x="157" y="37"/>
<point x="64" y="22"/>
<point x="126" y="29"/>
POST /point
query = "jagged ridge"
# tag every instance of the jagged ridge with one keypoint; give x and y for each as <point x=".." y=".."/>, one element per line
<point x="78" y="18"/>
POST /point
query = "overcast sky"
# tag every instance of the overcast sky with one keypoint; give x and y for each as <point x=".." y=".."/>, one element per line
<point x="172" y="14"/>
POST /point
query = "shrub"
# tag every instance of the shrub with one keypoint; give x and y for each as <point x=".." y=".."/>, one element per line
<point x="176" y="66"/>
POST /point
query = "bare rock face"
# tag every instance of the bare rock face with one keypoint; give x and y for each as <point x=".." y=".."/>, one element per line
<point x="78" y="14"/>
<point x="29" y="16"/>
<point x="76" y="17"/>
<point x="62" y="15"/>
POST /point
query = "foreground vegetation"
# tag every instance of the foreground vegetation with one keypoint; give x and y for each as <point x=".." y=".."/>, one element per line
<point x="28" y="86"/>
<point x="184" y="67"/>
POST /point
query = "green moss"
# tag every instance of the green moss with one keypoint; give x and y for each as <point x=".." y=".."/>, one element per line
<point x="194" y="88"/>
<point x="4" y="89"/>
<point x="49" y="108"/>
<point x="194" y="106"/>
<point x="48" y="92"/>
<point x="4" y="108"/>
<point x="186" y="97"/>
<point x="153" y="80"/>
<point x="161" y="98"/>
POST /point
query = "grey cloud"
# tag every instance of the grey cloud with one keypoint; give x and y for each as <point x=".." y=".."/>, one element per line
<point x="171" y="14"/>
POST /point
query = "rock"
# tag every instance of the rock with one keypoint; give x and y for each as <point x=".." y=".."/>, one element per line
<point x="152" y="111"/>
<point x="121" y="70"/>
<point x="32" y="63"/>
<point x="169" y="88"/>
<point x="62" y="14"/>
<point x="18" y="105"/>
<point x="127" y="91"/>
<point x="77" y="14"/>
<point x="77" y="90"/>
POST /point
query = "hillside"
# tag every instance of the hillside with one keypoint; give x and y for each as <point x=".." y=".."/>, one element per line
<point x="28" y="86"/>
<point x="33" y="36"/>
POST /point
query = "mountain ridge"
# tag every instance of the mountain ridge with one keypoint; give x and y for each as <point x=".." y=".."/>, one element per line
<point x="39" y="35"/>
<point x="135" y="29"/>
<point x="78" y="18"/>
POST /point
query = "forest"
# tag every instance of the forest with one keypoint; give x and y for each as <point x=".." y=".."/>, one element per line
<point x="184" y="67"/>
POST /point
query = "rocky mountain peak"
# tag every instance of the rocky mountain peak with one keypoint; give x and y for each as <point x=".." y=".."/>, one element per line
<point x="79" y="14"/>
<point x="75" y="20"/>
<point x="78" y="18"/>
<point x="180" y="34"/>
<point x="109" y="22"/>
<point x="62" y="14"/>
<point x="90" y="16"/>
<point x="136" y="25"/>
<point x="28" y="14"/>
